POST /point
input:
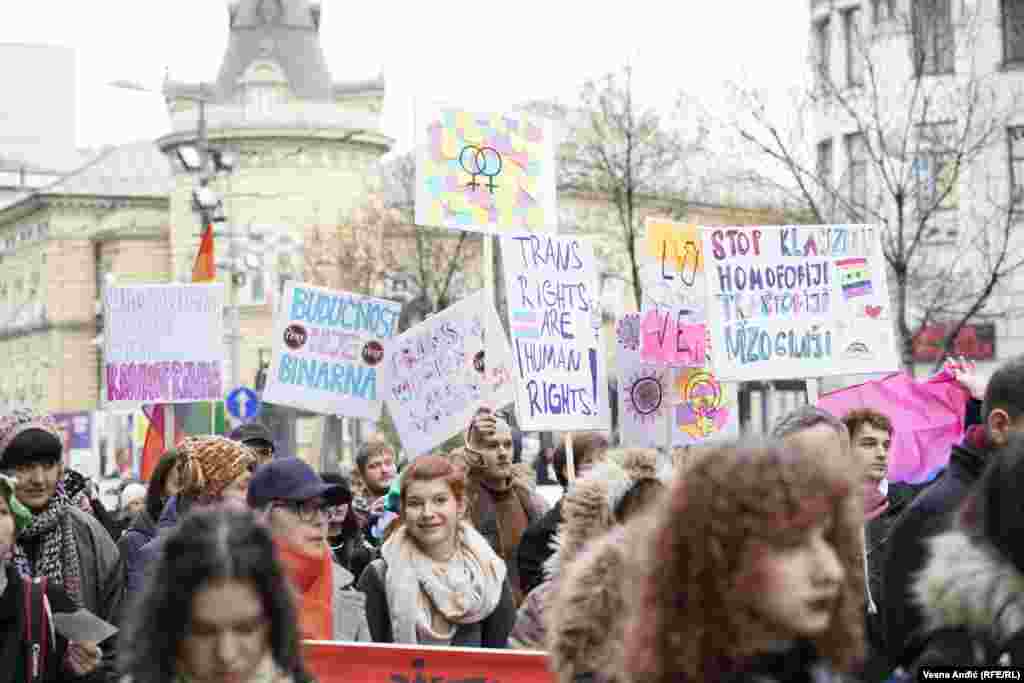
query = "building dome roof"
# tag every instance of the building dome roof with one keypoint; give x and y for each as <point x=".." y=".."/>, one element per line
<point x="284" y="31"/>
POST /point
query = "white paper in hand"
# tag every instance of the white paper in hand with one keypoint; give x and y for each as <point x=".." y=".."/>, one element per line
<point x="82" y="626"/>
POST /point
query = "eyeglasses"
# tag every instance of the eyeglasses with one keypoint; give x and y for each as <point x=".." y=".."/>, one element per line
<point x="307" y="511"/>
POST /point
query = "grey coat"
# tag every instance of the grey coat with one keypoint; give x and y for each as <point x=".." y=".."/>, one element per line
<point x="349" y="608"/>
<point x="102" y="572"/>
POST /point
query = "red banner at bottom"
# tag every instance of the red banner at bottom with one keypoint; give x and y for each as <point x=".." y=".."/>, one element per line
<point x="334" y="662"/>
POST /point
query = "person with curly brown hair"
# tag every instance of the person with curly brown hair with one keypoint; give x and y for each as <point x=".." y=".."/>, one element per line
<point x="751" y="570"/>
<point x="576" y="614"/>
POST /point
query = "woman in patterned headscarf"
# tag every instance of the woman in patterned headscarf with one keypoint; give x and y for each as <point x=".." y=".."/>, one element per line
<point x="213" y="469"/>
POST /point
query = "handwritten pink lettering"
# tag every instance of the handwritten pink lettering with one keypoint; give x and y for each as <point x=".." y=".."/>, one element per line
<point x="165" y="381"/>
<point x="667" y="341"/>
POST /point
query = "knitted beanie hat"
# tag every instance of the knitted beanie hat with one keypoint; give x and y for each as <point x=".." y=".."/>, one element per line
<point x="210" y="463"/>
<point x="21" y="420"/>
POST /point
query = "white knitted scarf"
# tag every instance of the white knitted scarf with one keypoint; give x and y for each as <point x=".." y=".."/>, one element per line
<point x="464" y="590"/>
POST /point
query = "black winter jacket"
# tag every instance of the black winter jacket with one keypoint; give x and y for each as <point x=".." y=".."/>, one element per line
<point x="13" y="651"/>
<point x="799" y="664"/>
<point x="930" y="514"/>
<point x="535" y="548"/>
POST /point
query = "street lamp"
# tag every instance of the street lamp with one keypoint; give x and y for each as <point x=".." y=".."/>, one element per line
<point x="202" y="159"/>
<point x="190" y="158"/>
<point x="206" y="161"/>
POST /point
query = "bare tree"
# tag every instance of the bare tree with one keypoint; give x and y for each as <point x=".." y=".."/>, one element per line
<point x="353" y="255"/>
<point x="616" y="149"/>
<point x="910" y="139"/>
<point x="434" y="257"/>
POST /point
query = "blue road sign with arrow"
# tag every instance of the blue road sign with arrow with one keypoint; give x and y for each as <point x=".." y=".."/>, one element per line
<point x="243" y="404"/>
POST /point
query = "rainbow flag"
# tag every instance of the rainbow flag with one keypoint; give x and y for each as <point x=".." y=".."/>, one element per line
<point x="854" y="277"/>
<point x="203" y="270"/>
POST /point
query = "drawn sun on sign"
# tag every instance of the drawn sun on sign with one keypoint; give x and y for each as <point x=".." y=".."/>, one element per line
<point x="644" y="396"/>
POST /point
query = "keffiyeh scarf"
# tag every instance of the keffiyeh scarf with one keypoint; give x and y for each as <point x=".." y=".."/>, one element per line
<point x="464" y="590"/>
<point x="58" y="555"/>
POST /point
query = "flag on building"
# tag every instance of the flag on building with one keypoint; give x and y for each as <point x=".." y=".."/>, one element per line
<point x="205" y="267"/>
<point x="191" y="418"/>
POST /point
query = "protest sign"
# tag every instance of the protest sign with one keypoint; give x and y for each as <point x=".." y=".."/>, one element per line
<point x="80" y="453"/>
<point x="704" y="408"/>
<point x="439" y="373"/>
<point x="690" y="403"/>
<point x="643" y="389"/>
<point x="329" y="351"/>
<point x="555" y="321"/>
<point x="337" y="662"/>
<point x="163" y="344"/>
<point x="798" y="301"/>
<point x="485" y="172"/>
<point x="672" y="271"/>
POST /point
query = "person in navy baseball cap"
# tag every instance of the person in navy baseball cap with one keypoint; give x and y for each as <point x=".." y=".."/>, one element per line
<point x="291" y="479"/>
<point x="294" y="501"/>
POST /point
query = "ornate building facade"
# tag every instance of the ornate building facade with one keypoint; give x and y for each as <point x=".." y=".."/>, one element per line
<point x="307" y="151"/>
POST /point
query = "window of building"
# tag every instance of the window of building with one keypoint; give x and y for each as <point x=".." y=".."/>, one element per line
<point x="857" y="173"/>
<point x="933" y="37"/>
<point x="35" y="279"/>
<point x="854" y="49"/>
<point x="934" y="166"/>
<point x="883" y="11"/>
<point x="1016" y="144"/>
<point x="824" y="164"/>
<point x="823" y="51"/>
<point x="936" y="176"/>
<point x="1013" y="31"/>
<point x="38" y="390"/>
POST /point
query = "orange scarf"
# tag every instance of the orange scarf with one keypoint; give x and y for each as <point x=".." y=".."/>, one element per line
<point x="312" y="578"/>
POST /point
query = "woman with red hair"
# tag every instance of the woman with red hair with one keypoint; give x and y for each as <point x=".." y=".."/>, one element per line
<point x="750" y="570"/>
<point x="438" y="581"/>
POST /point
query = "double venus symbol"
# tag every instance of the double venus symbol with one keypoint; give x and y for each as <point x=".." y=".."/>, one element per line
<point x="485" y="161"/>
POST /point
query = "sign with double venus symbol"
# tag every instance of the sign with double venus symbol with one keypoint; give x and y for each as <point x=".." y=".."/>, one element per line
<point x="480" y="161"/>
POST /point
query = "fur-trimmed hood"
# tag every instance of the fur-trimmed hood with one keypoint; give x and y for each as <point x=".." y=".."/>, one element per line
<point x="968" y="583"/>
<point x="587" y="508"/>
<point x="585" y="626"/>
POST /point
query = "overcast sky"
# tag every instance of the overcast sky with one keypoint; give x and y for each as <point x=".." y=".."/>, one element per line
<point x="470" y="53"/>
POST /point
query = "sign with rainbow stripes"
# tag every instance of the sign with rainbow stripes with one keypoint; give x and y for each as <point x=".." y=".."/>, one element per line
<point x="796" y="301"/>
<point x="854" y="277"/>
<point x="555" y="322"/>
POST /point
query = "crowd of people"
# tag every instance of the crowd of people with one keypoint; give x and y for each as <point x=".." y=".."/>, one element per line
<point x="784" y="558"/>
